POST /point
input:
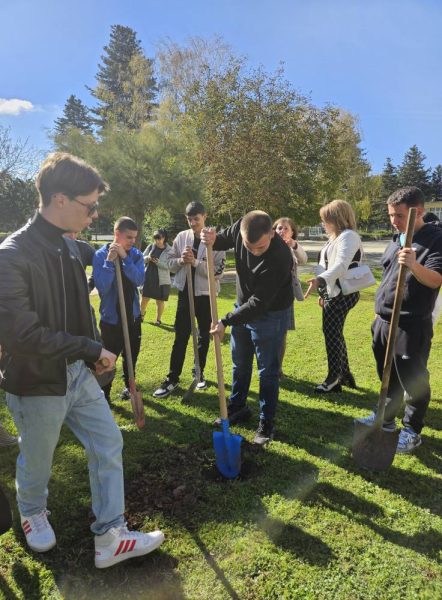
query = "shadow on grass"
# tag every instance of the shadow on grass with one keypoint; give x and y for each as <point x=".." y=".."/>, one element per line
<point x="6" y="591"/>
<point x="428" y="543"/>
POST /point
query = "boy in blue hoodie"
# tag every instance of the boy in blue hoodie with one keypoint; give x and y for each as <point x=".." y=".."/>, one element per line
<point x="132" y="269"/>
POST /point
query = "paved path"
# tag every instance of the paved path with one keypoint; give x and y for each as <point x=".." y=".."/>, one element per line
<point x="373" y="252"/>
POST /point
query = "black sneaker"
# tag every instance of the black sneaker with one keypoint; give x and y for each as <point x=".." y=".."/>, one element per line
<point x="125" y="394"/>
<point x="329" y="386"/>
<point x="264" y="433"/>
<point x="235" y="414"/>
<point x="165" y="388"/>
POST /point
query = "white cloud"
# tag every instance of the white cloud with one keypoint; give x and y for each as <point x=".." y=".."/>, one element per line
<point x="14" y="106"/>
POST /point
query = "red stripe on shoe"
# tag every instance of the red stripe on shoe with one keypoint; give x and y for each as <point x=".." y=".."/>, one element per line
<point x="26" y="527"/>
<point x="126" y="545"/>
<point x="132" y="545"/>
<point x="119" y="548"/>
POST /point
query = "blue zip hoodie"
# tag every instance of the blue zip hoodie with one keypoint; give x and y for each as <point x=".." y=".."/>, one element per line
<point x="106" y="281"/>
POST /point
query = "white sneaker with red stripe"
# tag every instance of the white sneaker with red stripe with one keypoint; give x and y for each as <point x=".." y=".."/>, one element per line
<point x="119" y="544"/>
<point x="38" y="531"/>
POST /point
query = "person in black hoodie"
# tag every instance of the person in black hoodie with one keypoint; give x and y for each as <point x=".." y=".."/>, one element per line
<point x="262" y="313"/>
<point x="409" y="374"/>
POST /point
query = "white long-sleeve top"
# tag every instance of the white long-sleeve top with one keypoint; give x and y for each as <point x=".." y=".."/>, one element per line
<point x="339" y="252"/>
<point x="201" y="286"/>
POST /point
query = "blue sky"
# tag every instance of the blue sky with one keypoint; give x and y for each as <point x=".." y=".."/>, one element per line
<point x="381" y="60"/>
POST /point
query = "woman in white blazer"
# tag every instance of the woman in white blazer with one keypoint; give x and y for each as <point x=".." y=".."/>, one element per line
<point x="342" y="251"/>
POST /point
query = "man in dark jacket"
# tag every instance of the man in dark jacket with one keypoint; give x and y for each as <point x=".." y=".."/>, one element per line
<point x="259" y="322"/>
<point x="47" y="337"/>
<point x="409" y="374"/>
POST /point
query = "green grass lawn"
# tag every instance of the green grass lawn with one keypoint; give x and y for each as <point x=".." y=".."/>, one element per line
<point x="302" y="522"/>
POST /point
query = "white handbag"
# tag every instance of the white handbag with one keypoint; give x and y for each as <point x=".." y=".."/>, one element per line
<point x="357" y="279"/>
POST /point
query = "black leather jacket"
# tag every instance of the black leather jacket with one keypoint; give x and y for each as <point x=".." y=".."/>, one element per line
<point x="35" y="345"/>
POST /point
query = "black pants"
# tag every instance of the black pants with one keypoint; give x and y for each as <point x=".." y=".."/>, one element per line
<point x="183" y="331"/>
<point x="334" y="313"/>
<point x="5" y="513"/>
<point x="409" y="371"/>
<point x="113" y="340"/>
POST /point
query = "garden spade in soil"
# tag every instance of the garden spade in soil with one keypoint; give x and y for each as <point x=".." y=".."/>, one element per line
<point x="196" y="358"/>
<point x="227" y="446"/>
<point x="373" y="447"/>
<point x="135" y="395"/>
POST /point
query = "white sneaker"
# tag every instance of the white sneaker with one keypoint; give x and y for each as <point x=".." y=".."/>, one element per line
<point x="371" y="418"/>
<point x="119" y="544"/>
<point x="202" y="383"/>
<point x="38" y="531"/>
<point x="408" y="441"/>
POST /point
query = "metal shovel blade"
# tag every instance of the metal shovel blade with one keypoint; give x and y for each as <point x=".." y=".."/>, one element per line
<point x="373" y="448"/>
<point x="227" y="451"/>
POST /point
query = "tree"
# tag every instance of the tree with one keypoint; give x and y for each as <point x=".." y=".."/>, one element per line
<point x="436" y="184"/>
<point x="17" y="158"/>
<point x="388" y="184"/>
<point x="18" y="201"/>
<point x="258" y="143"/>
<point x="126" y="86"/>
<point x="145" y="169"/>
<point x="75" y="115"/>
<point x="413" y="172"/>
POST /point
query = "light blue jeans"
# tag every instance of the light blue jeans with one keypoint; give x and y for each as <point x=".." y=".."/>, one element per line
<point x="86" y="412"/>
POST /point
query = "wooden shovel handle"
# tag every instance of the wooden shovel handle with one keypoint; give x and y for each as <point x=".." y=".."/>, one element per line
<point x="216" y="340"/>
<point x="398" y="297"/>
<point x="196" y="357"/>
<point x="135" y="397"/>
<point x="123" y="315"/>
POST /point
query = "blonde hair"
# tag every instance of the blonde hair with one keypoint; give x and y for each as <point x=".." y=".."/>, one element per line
<point x="340" y="214"/>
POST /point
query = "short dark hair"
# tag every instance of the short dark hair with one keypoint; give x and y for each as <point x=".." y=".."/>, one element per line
<point x="160" y="233"/>
<point x="195" y="208"/>
<point x="125" y="224"/>
<point x="255" y="224"/>
<point x="430" y="217"/>
<point x="410" y="196"/>
<point x="64" y="173"/>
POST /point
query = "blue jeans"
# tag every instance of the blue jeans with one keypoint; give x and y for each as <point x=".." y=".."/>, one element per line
<point x="261" y="338"/>
<point x="86" y="412"/>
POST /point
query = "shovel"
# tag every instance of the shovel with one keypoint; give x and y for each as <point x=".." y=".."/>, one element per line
<point x="227" y="446"/>
<point x="196" y="358"/>
<point x="373" y="448"/>
<point x="135" y="396"/>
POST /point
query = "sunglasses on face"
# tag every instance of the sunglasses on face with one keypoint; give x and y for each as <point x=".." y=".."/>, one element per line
<point x="91" y="208"/>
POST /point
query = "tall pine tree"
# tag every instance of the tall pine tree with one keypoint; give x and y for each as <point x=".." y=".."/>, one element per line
<point x="389" y="183"/>
<point x="126" y="86"/>
<point x="413" y="171"/>
<point x="75" y="116"/>
<point x="436" y="184"/>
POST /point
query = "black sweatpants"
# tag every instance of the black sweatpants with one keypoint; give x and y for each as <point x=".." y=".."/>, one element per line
<point x="113" y="340"/>
<point x="409" y="371"/>
<point x="183" y="331"/>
